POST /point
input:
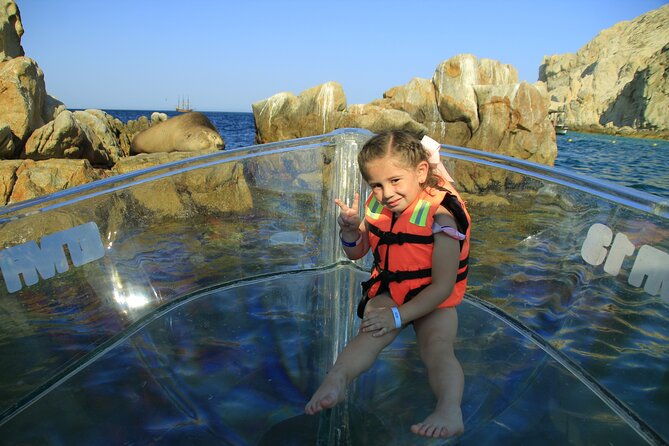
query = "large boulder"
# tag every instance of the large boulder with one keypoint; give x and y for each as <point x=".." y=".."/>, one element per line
<point x="376" y="119"/>
<point x="218" y="189"/>
<point x="92" y="135"/>
<point x="513" y="122"/>
<point x="284" y="116"/>
<point x="617" y="79"/>
<point x="418" y="98"/>
<point x="37" y="178"/>
<point x="22" y="96"/>
<point x="61" y="138"/>
<point x="104" y="148"/>
<point x="11" y="30"/>
<point x="454" y="82"/>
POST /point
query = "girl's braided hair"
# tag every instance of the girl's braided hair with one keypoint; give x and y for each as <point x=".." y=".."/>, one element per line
<point x="400" y="144"/>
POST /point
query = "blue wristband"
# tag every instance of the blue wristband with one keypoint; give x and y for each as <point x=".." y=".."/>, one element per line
<point x="350" y="244"/>
<point x="398" y="318"/>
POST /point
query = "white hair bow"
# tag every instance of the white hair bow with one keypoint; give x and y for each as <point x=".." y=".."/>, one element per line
<point x="432" y="148"/>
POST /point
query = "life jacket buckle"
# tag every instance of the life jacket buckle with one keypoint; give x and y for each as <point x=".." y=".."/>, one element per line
<point x="392" y="238"/>
<point x="390" y="276"/>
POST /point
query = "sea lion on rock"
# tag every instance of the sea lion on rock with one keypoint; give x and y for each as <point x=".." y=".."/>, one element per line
<point x="190" y="132"/>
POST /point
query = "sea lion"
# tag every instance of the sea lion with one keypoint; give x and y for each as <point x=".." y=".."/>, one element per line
<point x="190" y="132"/>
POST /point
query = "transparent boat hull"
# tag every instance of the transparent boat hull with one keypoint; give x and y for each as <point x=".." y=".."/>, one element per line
<point x="202" y="302"/>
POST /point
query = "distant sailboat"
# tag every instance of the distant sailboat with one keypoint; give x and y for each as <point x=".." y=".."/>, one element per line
<point x="183" y="106"/>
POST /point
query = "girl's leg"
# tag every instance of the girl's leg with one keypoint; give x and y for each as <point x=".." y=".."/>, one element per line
<point x="357" y="356"/>
<point x="436" y="334"/>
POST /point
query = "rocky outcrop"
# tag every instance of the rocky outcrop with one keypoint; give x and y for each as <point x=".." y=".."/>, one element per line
<point x="46" y="148"/>
<point x="11" y="30"/>
<point x="36" y="178"/>
<point x="618" y="80"/>
<point x="22" y="95"/>
<point x="468" y="102"/>
<point x="90" y="134"/>
<point x="286" y="116"/>
<point x="220" y="188"/>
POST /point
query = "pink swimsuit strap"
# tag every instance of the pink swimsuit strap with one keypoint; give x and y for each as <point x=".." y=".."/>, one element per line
<point x="449" y="231"/>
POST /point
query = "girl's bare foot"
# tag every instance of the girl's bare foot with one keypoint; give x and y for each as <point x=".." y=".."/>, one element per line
<point x="330" y="393"/>
<point x="447" y="423"/>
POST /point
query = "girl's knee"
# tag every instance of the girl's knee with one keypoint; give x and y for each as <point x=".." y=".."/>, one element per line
<point x="381" y="301"/>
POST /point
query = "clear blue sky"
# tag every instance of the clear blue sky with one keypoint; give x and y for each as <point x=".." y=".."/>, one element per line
<point x="226" y="54"/>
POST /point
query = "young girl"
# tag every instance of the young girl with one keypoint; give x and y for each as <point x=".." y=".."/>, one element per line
<point x="418" y="230"/>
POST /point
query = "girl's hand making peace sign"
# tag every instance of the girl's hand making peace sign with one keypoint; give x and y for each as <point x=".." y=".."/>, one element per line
<point x="349" y="220"/>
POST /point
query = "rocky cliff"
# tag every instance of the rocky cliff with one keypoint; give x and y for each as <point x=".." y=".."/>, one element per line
<point x="469" y="102"/>
<point x="618" y="81"/>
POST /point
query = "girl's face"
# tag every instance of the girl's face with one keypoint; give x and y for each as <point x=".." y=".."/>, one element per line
<point x="393" y="185"/>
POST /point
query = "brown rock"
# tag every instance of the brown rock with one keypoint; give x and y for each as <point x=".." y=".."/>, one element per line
<point x="377" y="119"/>
<point x="417" y="98"/>
<point x="11" y="30"/>
<point x="22" y="95"/>
<point x="38" y="178"/>
<point x="60" y="138"/>
<point x="104" y="148"/>
<point x="7" y="179"/>
<point x="454" y="82"/>
<point x="285" y="116"/>
<point x="7" y="146"/>
<point x="218" y="189"/>
<point x="221" y="188"/>
<point x="146" y="160"/>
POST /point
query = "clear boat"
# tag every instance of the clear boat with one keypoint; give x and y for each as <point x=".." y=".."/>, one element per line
<point x="203" y="301"/>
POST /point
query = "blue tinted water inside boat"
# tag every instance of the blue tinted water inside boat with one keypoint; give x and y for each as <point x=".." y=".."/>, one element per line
<point x="235" y="366"/>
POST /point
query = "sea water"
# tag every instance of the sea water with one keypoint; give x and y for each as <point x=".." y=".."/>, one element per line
<point x="642" y="164"/>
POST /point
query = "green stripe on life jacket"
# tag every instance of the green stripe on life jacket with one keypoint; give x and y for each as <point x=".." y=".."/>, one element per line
<point x="419" y="216"/>
<point x="374" y="209"/>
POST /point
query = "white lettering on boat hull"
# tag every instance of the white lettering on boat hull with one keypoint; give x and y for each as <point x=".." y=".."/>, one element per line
<point x="650" y="268"/>
<point x="33" y="261"/>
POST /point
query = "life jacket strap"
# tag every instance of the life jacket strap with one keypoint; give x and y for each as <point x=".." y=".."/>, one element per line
<point x="451" y="203"/>
<point x="385" y="277"/>
<point x="399" y="238"/>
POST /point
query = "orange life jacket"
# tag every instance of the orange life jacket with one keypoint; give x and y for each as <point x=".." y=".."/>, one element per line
<point x="402" y="246"/>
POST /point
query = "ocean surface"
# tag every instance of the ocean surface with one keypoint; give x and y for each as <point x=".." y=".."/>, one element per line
<point x="633" y="162"/>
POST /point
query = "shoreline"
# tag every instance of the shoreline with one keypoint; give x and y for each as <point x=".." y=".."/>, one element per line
<point x="627" y="132"/>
